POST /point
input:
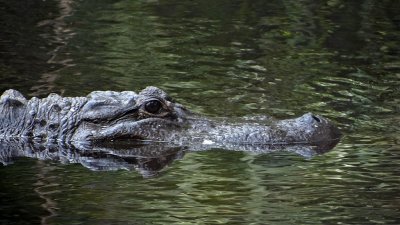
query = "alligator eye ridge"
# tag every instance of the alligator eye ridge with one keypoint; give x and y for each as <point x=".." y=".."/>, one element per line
<point x="152" y="106"/>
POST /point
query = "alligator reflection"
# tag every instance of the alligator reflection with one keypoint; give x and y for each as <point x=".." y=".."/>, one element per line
<point x="148" y="159"/>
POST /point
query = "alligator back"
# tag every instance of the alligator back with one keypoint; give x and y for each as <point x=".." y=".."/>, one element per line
<point x="42" y="119"/>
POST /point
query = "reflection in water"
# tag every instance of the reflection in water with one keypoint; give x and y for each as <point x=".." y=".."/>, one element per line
<point x="59" y="38"/>
<point x="146" y="158"/>
<point x="41" y="186"/>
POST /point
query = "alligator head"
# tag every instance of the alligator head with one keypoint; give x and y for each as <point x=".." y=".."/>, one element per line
<point x="110" y="116"/>
<point x="153" y="116"/>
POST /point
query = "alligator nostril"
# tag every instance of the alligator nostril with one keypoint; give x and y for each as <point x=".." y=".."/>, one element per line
<point x="316" y="119"/>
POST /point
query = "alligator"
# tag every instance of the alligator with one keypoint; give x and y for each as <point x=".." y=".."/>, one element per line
<point x="152" y="116"/>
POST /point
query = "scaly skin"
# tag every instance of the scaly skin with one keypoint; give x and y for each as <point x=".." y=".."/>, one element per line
<point x="150" y="115"/>
<point x="51" y="118"/>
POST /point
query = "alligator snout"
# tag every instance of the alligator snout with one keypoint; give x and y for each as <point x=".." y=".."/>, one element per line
<point x="320" y="129"/>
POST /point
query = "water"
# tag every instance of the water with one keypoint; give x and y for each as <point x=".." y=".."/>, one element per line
<point x="231" y="59"/>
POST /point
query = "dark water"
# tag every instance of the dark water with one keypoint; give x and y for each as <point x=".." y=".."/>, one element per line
<point x="340" y="59"/>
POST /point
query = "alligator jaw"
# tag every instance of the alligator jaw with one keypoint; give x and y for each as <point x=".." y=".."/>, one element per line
<point x="306" y="132"/>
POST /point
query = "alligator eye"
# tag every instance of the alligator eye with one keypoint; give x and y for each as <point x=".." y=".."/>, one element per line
<point x="152" y="106"/>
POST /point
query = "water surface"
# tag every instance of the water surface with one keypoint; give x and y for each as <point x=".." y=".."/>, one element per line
<point x="230" y="59"/>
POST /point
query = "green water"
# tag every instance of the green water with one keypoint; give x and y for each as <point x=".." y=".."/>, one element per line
<point x="340" y="59"/>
